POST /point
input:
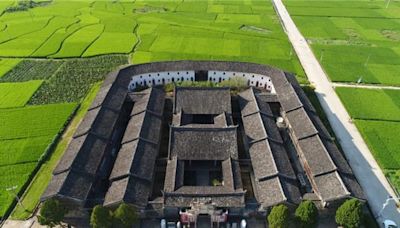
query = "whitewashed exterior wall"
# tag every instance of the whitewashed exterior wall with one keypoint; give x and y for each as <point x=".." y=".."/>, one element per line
<point x="160" y="78"/>
<point x="255" y="80"/>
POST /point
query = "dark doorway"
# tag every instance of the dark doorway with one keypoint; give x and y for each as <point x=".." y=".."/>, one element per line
<point x="201" y="75"/>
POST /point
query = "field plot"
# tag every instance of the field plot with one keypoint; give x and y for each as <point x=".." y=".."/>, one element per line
<point x="377" y="116"/>
<point x="371" y="104"/>
<point x="14" y="95"/>
<point x="74" y="79"/>
<point x="232" y="30"/>
<point x="25" y="133"/>
<point x="151" y="31"/>
<point x="354" y="40"/>
<point x="28" y="70"/>
<point x="66" y="80"/>
<point x="7" y="64"/>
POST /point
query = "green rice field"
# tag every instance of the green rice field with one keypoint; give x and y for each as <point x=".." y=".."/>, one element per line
<point x="354" y="40"/>
<point x="376" y="113"/>
<point x="17" y="94"/>
<point x="359" y="42"/>
<point x="240" y="30"/>
<point x="25" y="134"/>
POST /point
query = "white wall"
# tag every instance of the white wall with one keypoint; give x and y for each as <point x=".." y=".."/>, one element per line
<point x="255" y="80"/>
<point x="159" y="78"/>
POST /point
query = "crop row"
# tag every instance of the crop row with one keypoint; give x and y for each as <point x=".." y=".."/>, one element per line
<point x="64" y="81"/>
<point x="371" y="104"/>
<point x="17" y="94"/>
<point x="32" y="70"/>
<point x="24" y="136"/>
<point x="72" y="81"/>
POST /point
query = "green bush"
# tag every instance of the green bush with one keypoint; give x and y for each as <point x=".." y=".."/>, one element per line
<point x="51" y="213"/>
<point x="349" y="214"/>
<point x="101" y="217"/>
<point x="278" y="217"/>
<point x="307" y="214"/>
<point x="125" y="216"/>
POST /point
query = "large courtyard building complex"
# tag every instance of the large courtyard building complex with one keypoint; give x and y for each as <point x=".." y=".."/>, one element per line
<point x="201" y="152"/>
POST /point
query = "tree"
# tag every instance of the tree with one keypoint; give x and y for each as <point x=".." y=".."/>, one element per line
<point x="101" y="217"/>
<point x="52" y="213"/>
<point x="307" y="214"/>
<point x="279" y="216"/>
<point x="125" y="216"/>
<point x="349" y="214"/>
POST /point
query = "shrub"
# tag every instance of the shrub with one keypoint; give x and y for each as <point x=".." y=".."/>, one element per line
<point x="101" y="217"/>
<point x="307" y="214"/>
<point x="349" y="214"/>
<point x="51" y="213"/>
<point x="125" y="216"/>
<point x="279" y="216"/>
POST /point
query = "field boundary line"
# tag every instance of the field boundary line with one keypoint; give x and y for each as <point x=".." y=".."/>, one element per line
<point x="370" y="176"/>
<point x="93" y="41"/>
<point x="365" y="86"/>
<point x="37" y="30"/>
<point x="65" y="38"/>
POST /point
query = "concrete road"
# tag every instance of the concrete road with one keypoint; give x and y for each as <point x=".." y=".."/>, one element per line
<point x="367" y="171"/>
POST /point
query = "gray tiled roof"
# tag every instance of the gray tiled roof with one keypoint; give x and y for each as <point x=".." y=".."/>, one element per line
<point x="135" y="158"/>
<point x="317" y="145"/>
<point x="287" y="97"/>
<point x="137" y="155"/>
<point x="69" y="184"/>
<point x="277" y="190"/>
<point x="196" y="100"/>
<point x="271" y="165"/>
<point x="78" y="169"/>
<point x="301" y="123"/>
<point x="316" y="155"/>
<point x="300" y="92"/>
<point x="330" y="186"/>
<point x="128" y="190"/>
<point x="189" y="143"/>
<point x="144" y="125"/>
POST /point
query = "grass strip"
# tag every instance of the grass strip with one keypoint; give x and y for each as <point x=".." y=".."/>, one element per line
<point x="31" y="197"/>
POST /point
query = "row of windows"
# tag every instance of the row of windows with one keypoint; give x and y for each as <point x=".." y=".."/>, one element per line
<point x="160" y="81"/>
<point x="168" y="73"/>
<point x="243" y="75"/>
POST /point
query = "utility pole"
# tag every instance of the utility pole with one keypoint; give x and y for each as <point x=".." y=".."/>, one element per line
<point x="15" y="195"/>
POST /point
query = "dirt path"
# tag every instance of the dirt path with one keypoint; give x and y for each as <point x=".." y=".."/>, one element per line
<point x="367" y="171"/>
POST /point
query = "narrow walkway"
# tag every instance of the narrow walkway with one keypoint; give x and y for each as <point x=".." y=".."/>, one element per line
<point x="365" y="86"/>
<point x="367" y="171"/>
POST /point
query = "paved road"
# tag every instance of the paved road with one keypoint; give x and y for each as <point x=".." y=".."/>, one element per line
<point x="364" y="86"/>
<point x="367" y="171"/>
